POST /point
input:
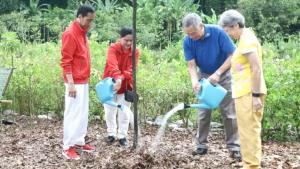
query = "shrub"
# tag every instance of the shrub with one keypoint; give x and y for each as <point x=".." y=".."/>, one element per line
<point x="8" y="5"/>
<point x="282" y="74"/>
<point x="272" y="19"/>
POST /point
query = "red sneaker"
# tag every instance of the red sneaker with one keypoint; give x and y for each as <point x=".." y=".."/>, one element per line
<point x="86" y="148"/>
<point x="71" y="154"/>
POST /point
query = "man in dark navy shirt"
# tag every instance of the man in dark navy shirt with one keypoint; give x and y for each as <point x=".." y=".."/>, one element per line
<point x="209" y="49"/>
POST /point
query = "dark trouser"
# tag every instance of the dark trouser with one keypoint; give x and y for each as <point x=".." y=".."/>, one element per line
<point x="228" y="117"/>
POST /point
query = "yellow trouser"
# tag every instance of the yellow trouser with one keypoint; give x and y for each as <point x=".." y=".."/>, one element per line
<point x="249" y="127"/>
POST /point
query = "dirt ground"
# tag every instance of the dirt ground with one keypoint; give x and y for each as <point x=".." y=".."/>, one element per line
<point x="36" y="143"/>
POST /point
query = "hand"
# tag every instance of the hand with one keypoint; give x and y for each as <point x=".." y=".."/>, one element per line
<point x="117" y="85"/>
<point x="196" y="86"/>
<point x="214" y="78"/>
<point x="257" y="104"/>
<point x="72" y="90"/>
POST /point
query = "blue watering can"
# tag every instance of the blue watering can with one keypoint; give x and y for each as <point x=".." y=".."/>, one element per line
<point x="210" y="96"/>
<point x="105" y="92"/>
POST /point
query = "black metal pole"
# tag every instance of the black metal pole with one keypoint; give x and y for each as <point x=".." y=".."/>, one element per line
<point x="135" y="111"/>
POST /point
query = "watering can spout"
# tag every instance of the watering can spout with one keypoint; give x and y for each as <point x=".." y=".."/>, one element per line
<point x="200" y="106"/>
<point x="186" y="106"/>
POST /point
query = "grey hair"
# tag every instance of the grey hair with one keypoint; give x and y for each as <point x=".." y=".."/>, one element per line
<point x="192" y="19"/>
<point x="230" y="18"/>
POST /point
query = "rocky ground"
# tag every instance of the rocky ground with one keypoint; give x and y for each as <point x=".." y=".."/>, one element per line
<point x="37" y="143"/>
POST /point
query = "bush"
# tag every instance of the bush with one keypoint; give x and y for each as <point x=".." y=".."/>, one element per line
<point x="282" y="74"/>
<point x="272" y="19"/>
<point x="42" y="27"/>
<point x="8" y="5"/>
<point x="158" y="22"/>
<point x="36" y="85"/>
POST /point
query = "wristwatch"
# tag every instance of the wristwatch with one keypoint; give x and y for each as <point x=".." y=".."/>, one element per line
<point x="256" y="94"/>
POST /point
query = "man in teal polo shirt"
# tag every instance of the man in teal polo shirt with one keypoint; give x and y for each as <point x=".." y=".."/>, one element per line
<point x="209" y="48"/>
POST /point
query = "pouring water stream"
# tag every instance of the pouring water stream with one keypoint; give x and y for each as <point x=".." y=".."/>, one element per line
<point x="161" y="130"/>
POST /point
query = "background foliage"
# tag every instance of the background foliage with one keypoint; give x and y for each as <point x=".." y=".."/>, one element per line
<point x="159" y="21"/>
<point x="272" y="19"/>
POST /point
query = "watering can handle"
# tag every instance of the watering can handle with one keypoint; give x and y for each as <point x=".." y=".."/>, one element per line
<point x="214" y="85"/>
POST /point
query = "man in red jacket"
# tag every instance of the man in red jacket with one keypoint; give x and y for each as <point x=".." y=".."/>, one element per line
<point x="75" y="62"/>
<point x="119" y="67"/>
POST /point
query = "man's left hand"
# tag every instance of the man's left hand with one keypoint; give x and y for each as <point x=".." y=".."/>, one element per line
<point x="214" y="78"/>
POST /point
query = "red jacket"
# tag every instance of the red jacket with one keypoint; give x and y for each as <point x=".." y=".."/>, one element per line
<point x="75" y="53"/>
<point x="119" y="65"/>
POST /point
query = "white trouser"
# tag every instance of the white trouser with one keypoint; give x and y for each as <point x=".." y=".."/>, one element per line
<point x="76" y="116"/>
<point x="124" y="117"/>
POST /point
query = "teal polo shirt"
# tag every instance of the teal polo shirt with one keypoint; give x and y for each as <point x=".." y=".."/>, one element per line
<point x="211" y="51"/>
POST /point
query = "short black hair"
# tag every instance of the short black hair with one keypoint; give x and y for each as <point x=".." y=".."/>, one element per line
<point x="83" y="10"/>
<point x="125" y="31"/>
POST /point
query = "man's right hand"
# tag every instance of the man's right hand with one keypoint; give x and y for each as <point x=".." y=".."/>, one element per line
<point x="71" y="86"/>
<point x="72" y="90"/>
<point x="196" y="86"/>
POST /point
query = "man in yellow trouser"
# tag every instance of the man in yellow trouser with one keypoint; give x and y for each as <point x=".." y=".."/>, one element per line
<point x="248" y="86"/>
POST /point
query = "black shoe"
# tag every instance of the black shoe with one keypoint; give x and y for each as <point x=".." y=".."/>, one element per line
<point x="236" y="155"/>
<point x="123" y="142"/>
<point x="199" y="151"/>
<point x="110" y="139"/>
